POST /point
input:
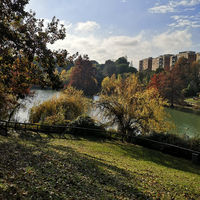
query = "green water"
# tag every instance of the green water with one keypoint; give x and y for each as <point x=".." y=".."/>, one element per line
<point x="186" y="121"/>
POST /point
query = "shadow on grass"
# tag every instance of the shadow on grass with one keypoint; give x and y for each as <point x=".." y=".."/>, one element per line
<point x="133" y="151"/>
<point x="34" y="169"/>
<point x="142" y="153"/>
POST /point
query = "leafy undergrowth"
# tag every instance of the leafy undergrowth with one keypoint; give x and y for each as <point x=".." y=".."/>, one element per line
<point x="73" y="167"/>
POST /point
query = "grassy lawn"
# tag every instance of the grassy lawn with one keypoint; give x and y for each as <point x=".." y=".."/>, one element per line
<point x="192" y="100"/>
<point x="74" y="167"/>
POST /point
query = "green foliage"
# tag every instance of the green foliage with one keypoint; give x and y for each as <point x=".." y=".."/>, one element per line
<point x="60" y="110"/>
<point x="132" y="70"/>
<point x="122" y="60"/>
<point x="178" y="140"/>
<point x="110" y="68"/>
<point x="145" y="76"/>
<point x="122" y="68"/>
<point x="159" y="70"/>
<point x="84" y="121"/>
<point x="191" y="90"/>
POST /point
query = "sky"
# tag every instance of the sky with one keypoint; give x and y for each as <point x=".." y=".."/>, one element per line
<point x="138" y="29"/>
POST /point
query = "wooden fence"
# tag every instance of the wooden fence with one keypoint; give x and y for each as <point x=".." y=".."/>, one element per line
<point x="164" y="147"/>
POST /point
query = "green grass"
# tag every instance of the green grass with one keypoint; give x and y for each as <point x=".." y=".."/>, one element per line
<point x="89" y="168"/>
<point x="192" y="100"/>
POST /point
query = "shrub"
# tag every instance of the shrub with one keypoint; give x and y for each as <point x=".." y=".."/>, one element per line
<point x="59" y="110"/>
<point x="85" y="122"/>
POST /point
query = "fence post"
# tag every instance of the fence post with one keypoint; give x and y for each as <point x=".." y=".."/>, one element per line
<point x="25" y="127"/>
<point x="195" y="159"/>
<point x="6" y="128"/>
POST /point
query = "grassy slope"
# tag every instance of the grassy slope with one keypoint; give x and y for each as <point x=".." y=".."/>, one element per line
<point x="78" y="168"/>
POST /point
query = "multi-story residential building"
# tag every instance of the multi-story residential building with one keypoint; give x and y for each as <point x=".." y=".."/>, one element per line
<point x="190" y="55"/>
<point x="145" y="64"/>
<point x="173" y="60"/>
<point x="162" y="61"/>
<point x="167" y="60"/>
<point x="198" y="57"/>
<point x="140" y="65"/>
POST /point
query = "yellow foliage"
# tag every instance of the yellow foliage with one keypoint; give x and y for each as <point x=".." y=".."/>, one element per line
<point x="134" y="108"/>
<point x="59" y="110"/>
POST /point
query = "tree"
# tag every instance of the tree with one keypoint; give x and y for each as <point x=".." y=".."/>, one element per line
<point x="65" y="76"/>
<point x="132" y="70"/>
<point x="83" y="76"/>
<point x="159" y="70"/>
<point x="195" y="73"/>
<point x="122" y="60"/>
<point x="145" y="76"/>
<point x="183" y="69"/>
<point x="122" y="65"/>
<point x="110" y="68"/>
<point x="109" y="84"/>
<point x="133" y="109"/>
<point x="169" y="85"/>
<point x="23" y="41"/>
<point x="122" y="68"/>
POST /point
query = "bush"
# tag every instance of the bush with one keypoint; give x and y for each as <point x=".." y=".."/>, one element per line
<point x="82" y="123"/>
<point x="60" y="110"/>
<point x="182" y="141"/>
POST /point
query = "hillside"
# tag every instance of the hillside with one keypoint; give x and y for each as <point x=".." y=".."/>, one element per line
<point x="74" y="167"/>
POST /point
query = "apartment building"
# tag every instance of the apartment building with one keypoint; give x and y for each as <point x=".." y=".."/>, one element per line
<point x="190" y="55"/>
<point x="173" y="60"/>
<point x="167" y="60"/>
<point x="162" y="61"/>
<point x="145" y="64"/>
<point x="198" y="57"/>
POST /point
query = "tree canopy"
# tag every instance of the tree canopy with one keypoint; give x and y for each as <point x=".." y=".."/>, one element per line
<point x="133" y="109"/>
<point x="83" y="76"/>
<point x="24" y="56"/>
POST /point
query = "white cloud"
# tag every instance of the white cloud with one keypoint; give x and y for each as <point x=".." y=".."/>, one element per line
<point x="162" y="9"/>
<point x="113" y="47"/>
<point x="169" y="42"/>
<point x="189" y="9"/>
<point x="87" y="26"/>
<point x="121" y="41"/>
<point x="185" y="21"/>
<point x="172" y="6"/>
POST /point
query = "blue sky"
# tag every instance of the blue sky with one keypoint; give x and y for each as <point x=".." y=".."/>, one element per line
<point x="109" y="29"/>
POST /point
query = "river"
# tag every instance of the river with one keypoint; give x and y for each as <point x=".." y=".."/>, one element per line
<point x="186" y="121"/>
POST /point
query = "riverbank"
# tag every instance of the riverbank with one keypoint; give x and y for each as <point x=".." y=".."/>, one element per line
<point x="187" y="108"/>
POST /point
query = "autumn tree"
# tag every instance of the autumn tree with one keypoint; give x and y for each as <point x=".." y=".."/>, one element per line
<point x="24" y="39"/>
<point x="169" y="85"/>
<point x="109" y="84"/>
<point x="83" y="76"/>
<point x="134" y="109"/>
<point x="183" y="69"/>
<point x="195" y="72"/>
